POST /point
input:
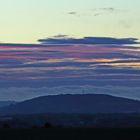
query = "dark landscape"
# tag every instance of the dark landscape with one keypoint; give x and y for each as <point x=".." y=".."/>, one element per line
<point x="77" y="103"/>
<point x="70" y="134"/>
<point x="71" y="117"/>
<point x="72" y="111"/>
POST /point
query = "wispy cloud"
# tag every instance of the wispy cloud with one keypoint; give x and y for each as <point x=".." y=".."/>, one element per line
<point x="103" y="11"/>
<point x="72" y="13"/>
<point x="108" y="9"/>
<point x="95" y="12"/>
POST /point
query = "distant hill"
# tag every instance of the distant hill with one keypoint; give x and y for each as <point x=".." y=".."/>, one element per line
<point x="6" y="103"/>
<point x="87" y="103"/>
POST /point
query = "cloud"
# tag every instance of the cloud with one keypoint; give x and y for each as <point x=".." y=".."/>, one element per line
<point x="126" y="23"/>
<point x="30" y="70"/>
<point x="60" y="36"/>
<point x="72" y="13"/>
<point x="74" y="61"/>
<point x="110" y="9"/>
<point x="105" y="10"/>
<point x="24" y="93"/>
<point x="95" y="12"/>
<point x="88" y="40"/>
<point x="21" y="45"/>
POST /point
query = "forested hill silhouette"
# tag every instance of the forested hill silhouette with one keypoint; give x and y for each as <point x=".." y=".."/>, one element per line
<point x="87" y="103"/>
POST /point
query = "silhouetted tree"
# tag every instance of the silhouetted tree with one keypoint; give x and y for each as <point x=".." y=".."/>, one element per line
<point x="6" y="125"/>
<point x="47" y="125"/>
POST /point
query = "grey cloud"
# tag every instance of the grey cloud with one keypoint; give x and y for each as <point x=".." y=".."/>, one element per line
<point x="108" y="9"/>
<point x="89" y="40"/>
<point x="60" y="36"/>
<point x="72" y="13"/>
<point x="97" y="14"/>
<point x="105" y="10"/>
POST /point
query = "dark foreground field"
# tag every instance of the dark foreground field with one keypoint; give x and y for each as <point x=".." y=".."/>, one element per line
<point x="70" y="134"/>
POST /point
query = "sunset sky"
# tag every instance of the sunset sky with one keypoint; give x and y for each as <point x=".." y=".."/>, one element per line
<point x="69" y="47"/>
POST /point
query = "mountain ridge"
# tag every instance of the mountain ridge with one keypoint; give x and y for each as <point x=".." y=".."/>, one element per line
<point x="74" y="103"/>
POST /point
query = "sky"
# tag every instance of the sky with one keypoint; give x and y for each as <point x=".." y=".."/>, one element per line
<point x="69" y="47"/>
<point x="25" y="21"/>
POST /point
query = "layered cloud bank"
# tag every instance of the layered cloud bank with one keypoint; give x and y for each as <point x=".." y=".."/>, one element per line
<point x="61" y="61"/>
